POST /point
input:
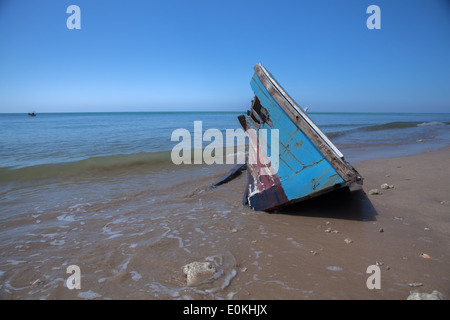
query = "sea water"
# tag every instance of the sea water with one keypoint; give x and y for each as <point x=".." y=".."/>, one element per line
<point x="71" y="137"/>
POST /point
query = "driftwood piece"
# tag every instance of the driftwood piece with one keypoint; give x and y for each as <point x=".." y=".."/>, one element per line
<point x="232" y="174"/>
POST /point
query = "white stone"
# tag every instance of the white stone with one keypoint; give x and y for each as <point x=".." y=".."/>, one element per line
<point x="198" y="272"/>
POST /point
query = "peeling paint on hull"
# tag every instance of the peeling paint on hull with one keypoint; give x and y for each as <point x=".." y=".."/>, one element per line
<point x="309" y="164"/>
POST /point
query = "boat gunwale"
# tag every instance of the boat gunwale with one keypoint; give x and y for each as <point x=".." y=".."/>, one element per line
<point x="300" y="111"/>
<point x="325" y="146"/>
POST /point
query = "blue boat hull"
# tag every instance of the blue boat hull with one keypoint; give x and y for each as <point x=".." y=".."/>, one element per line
<point x="307" y="163"/>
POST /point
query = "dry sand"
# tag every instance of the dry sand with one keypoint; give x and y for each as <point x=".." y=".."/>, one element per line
<point x="415" y="218"/>
<point x="321" y="249"/>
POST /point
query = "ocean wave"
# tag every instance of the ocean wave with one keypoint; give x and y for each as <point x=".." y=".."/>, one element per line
<point x="390" y="126"/>
<point x="134" y="163"/>
<point x="337" y="134"/>
<point x="386" y="126"/>
<point x="92" y="166"/>
<point x="432" y="123"/>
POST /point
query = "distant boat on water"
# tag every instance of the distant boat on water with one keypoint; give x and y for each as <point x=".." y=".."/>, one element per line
<point x="32" y="114"/>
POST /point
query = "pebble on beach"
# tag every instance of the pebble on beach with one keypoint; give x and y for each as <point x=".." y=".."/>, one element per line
<point x="435" y="295"/>
<point x="386" y="186"/>
<point x="415" y="284"/>
<point x="375" y="191"/>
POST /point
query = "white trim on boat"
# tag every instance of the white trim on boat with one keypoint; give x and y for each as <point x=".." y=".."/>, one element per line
<point x="301" y="113"/>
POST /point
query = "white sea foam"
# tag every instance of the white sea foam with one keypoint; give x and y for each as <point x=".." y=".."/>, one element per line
<point x="135" y="275"/>
<point x="432" y="123"/>
<point x="68" y="218"/>
<point x="89" y="295"/>
<point x="15" y="262"/>
<point x="50" y="235"/>
<point x="199" y="230"/>
<point x="180" y="240"/>
<point x="57" y="242"/>
<point x="162" y="289"/>
<point x="114" y="236"/>
<point x="334" y="268"/>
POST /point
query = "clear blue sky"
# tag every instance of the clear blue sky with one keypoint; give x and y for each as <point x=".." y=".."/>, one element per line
<point x="143" y="55"/>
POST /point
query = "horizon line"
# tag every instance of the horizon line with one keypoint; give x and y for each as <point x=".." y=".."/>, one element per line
<point x="212" y="111"/>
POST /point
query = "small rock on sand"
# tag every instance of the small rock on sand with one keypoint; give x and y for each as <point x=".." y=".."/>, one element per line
<point x="198" y="272"/>
<point x="375" y="191"/>
<point x="435" y="295"/>
<point x="386" y="186"/>
<point x="415" y="284"/>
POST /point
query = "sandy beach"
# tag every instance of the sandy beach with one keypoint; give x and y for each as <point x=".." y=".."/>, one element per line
<point x="133" y="244"/>
<point x="325" y="245"/>
<point x="415" y="218"/>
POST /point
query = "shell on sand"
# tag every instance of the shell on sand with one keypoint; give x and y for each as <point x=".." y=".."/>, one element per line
<point x="435" y="295"/>
<point x="375" y="191"/>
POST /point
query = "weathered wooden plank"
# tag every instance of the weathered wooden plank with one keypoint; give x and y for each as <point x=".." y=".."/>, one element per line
<point x="232" y="174"/>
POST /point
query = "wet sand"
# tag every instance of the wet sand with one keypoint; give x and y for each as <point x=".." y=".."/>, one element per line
<point x="133" y="242"/>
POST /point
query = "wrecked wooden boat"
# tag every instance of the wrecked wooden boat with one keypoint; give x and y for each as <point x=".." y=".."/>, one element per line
<point x="303" y="164"/>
